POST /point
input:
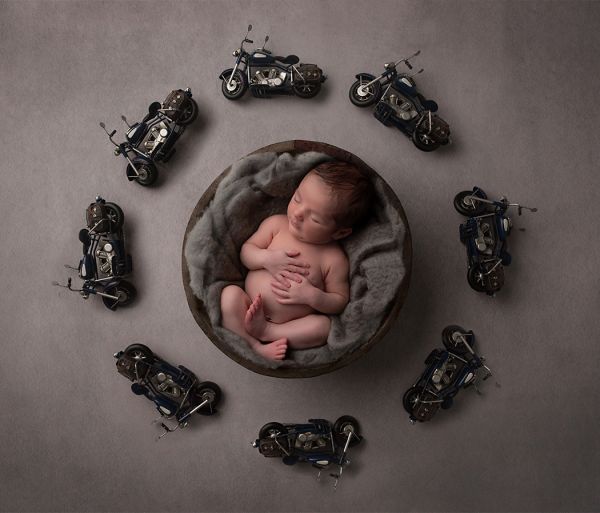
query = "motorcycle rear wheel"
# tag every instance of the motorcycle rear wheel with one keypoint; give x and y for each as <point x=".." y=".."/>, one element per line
<point x="306" y="90"/>
<point x="422" y="141"/>
<point x="189" y="114"/>
<point x="139" y="352"/>
<point x="236" y="88"/>
<point x="369" y="97"/>
<point x="115" y="216"/>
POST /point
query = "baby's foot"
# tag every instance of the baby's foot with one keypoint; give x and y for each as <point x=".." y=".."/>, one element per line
<point x="273" y="350"/>
<point x="255" y="322"/>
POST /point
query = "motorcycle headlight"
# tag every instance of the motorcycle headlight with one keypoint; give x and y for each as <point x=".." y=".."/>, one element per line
<point x="117" y="151"/>
<point x="235" y="53"/>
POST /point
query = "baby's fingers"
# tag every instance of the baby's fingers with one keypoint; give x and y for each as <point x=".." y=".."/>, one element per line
<point x="291" y="274"/>
<point x="279" y="292"/>
<point x="279" y="286"/>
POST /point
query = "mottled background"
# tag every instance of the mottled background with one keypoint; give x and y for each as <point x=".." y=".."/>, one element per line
<point x="518" y="83"/>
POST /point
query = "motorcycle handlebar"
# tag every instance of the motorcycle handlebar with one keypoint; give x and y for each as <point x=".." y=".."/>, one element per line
<point x="249" y="41"/>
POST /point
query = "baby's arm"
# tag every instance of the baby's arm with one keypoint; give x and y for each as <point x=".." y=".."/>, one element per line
<point x="334" y="298"/>
<point x="254" y="249"/>
<point x="281" y="264"/>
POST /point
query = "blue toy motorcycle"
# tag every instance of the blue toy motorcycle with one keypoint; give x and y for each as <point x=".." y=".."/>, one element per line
<point x="317" y="442"/>
<point x="485" y="235"/>
<point x="104" y="262"/>
<point x="176" y="391"/>
<point x="399" y="104"/>
<point x="265" y="74"/>
<point x="448" y="371"/>
<point x="153" y="139"/>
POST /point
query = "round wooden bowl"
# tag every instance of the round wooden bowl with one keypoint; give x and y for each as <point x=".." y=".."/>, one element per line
<point x="199" y="310"/>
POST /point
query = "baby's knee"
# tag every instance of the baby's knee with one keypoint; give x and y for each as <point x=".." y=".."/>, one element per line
<point x="232" y="297"/>
<point x="323" y="324"/>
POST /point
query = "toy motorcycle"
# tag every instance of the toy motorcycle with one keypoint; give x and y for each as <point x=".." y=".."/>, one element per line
<point x="401" y="105"/>
<point x="266" y="74"/>
<point x="485" y="236"/>
<point x="317" y="442"/>
<point x="153" y="139"/>
<point x="447" y="372"/>
<point x="176" y="391"/>
<point x="104" y="262"/>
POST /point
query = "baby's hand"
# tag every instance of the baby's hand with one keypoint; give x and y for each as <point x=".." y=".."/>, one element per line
<point x="284" y="266"/>
<point x="300" y="292"/>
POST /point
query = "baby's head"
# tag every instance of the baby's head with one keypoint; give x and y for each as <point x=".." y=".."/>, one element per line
<point x="331" y="199"/>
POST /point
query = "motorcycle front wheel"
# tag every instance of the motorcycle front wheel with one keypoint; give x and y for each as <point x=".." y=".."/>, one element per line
<point x="424" y="142"/>
<point x="306" y="90"/>
<point x="343" y="427"/>
<point x="465" y="205"/>
<point x="147" y="173"/>
<point x="125" y="293"/>
<point x="236" y="88"/>
<point x="208" y="391"/>
<point x="364" y="96"/>
<point x="452" y="341"/>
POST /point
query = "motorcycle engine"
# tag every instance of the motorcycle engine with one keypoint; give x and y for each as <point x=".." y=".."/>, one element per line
<point x="485" y="239"/>
<point x="157" y="135"/>
<point x="105" y="254"/>
<point x="308" y="441"/>
<point x="404" y="108"/>
<point x="270" y="77"/>
<point x="443" y="376"/>
<point x="167" y="386"/>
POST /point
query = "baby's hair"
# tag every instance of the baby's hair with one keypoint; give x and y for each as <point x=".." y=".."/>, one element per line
<point x="357" y="185"/>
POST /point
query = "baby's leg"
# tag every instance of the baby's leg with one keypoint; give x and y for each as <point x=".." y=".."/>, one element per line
<point x="302" y="333"/>
<point x="234" y="305"/>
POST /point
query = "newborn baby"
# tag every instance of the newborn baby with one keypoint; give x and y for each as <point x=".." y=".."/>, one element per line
<point x="298" y="273"/>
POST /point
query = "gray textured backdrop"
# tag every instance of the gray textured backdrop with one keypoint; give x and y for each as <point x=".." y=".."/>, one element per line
<point x="518" y="82"/>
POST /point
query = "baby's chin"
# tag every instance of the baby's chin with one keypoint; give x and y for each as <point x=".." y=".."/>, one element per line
<point x="294" y="231"/>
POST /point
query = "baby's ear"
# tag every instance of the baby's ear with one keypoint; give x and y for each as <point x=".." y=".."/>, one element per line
<point x="341" y="233"/>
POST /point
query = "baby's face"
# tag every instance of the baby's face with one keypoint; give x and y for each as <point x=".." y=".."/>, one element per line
<point x="310" y="212"/>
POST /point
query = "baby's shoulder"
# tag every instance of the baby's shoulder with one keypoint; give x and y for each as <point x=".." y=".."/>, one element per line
<point x="274" y="223"/>
<point x="335" y="255"/>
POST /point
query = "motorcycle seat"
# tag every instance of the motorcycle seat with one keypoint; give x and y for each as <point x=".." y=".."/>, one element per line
<point x="290" y="59"/>
<point x="427" y="104"/>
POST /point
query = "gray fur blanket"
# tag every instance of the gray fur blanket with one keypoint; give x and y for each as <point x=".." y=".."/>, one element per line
<point x="259" y="186"/>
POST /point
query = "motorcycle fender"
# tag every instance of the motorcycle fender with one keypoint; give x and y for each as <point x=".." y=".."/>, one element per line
<point x="223" y="73"/>
<point x="110" y="284"/>
<point x="368" y="76"/>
